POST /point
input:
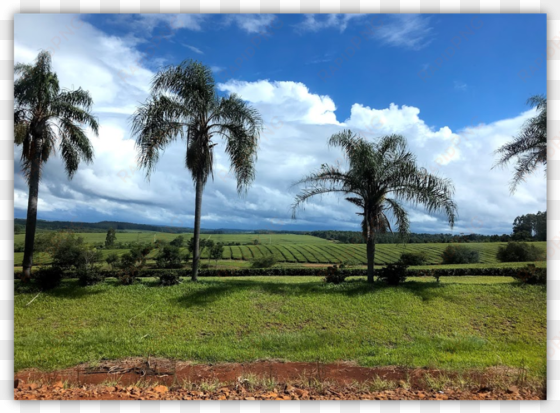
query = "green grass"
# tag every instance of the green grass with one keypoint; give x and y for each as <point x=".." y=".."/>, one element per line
<point x="463" y="322"/>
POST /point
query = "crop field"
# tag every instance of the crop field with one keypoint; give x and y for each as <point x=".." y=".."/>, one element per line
<point x="291" y="248"/>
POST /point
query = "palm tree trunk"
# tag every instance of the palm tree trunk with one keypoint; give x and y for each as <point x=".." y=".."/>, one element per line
<point x="370" y="251"/>
<point x="197" y="213"/>
<point x="31" y="222"/>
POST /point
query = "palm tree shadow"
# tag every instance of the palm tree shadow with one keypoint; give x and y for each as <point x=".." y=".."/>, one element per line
<point x="217" y="289"/>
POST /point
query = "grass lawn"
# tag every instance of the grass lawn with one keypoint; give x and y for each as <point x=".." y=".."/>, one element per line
<point x="463" y="322"/>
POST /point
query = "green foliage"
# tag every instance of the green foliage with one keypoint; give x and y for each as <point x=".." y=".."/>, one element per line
<point x="178" y="242"/>
<point x="112" y="259"/>
<point x="334" y="275"/>
<point x="531" y="275"/>
<point x="266" y="261"/>
<point x="518" y="252"/>
<point x="393" y="274"/>
<point x="110" y="238"/>
<point x="459" y="254"/>
<point x="413" y="258"/>
<point x="19" y="229"/>
<point x="170" y="278"/>
<point x="69" y="251"/>
<point x="90" y="276"/>
<point x="47" y="278"/>
<point x="169" y="257"/>
<point x="19" y="247"/>
<point x="132" y="262"/>
<point x="216" y="252"/>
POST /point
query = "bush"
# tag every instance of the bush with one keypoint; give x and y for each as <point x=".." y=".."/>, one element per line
<point x="531" y="275"/>
<point x="459" y="254"/>
<point x="169" y="257"/>
<point x="393" y="274"/>
<point x="518" y="252"/>
<point x="334" y="275"/>
<point x="413" y="258"/>
<point x="89" y="277"/>
<point x="266" y="261"/>
<point x="169" y="278"/>
<point x="48" y="278"/>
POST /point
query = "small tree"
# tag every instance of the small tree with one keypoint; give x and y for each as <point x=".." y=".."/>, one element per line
<point x="178" y="242"/>
<point x="132" y="262"/>
<point x="518" y="252"/>
<point x="266" y="261"/>
<point x="216" y="252"/>
<point x="112" y="260"/>
<point x="459" y="254"/>
<point x="208" y="244"/>
<point x="110" y="238"/>
<point x="169" y="257"/>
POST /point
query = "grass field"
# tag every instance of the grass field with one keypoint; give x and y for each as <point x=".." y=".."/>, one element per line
<point x="464" y="322"/>
<point x="290" y="248"/>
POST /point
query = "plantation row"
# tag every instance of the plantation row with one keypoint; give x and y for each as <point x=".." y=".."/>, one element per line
<point x="336" y="253"/>
<point x="327" y="253"/>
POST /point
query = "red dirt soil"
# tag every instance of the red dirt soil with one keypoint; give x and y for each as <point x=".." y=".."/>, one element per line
<point x="152" y="379"/>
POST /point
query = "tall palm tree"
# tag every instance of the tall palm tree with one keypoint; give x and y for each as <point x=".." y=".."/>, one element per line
<point x="529" y="146"/>
<point x="381" y="176"/>
<point x="184" y="104"/>
<point x="44" y="116"/>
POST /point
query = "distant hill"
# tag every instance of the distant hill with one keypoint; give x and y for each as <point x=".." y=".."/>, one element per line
<point x="103" y="226"/>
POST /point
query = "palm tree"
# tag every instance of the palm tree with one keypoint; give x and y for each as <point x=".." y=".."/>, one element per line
<point x="380" y="177"/>
<point x="529" y="146"/>
<point x="184" y="104"/>
<point x="44" y="116"/>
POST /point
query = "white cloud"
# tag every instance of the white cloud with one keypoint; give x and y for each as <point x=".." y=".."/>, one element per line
<point x="411" y="31"/>
<point x="459" y="85"/>
<point x="194" y="49"/>
<point x="297" y="102"/>
<point x="251" y="23"/>
<point x="314" y="23"/>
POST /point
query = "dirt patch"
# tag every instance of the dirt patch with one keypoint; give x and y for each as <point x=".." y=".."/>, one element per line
<point x="147" y="379"/>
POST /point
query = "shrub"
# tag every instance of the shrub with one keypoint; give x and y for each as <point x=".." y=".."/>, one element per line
<point x="459" y="254"/>
<point x="531" y="275"/>
<point x="413" y="258"/>
<point x="169" y="257"/>
<point x="169" y="278"/>
<point x="393" y="274"/>
<point x="334" y="275"/>
<point x="112" y="259"/>
<point x="266" y="261"/>
<point x="89" y="277"/>
<point x="67" y="250"/>
<point x="517" y="252"/>
<point x="48" y="278"/>
<point x="19" y="247"/>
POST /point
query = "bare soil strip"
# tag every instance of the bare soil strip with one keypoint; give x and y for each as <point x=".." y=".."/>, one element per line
<point x="153" y="379"/>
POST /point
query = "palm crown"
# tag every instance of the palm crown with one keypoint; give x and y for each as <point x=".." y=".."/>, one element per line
<point x="44" y="114"/>
<point x="529" y="146"/>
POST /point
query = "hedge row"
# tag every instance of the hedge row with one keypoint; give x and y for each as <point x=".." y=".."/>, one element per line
<point x="245" y="272"/>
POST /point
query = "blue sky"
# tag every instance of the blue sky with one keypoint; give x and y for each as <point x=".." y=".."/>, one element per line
<point x="454" y="84"/>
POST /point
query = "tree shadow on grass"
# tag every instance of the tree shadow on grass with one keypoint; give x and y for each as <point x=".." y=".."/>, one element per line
<point x="209" y="291"/>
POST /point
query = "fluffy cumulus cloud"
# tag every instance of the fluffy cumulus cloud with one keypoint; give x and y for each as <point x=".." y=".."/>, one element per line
<point x="298" y="123"/>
